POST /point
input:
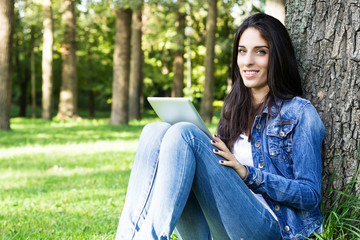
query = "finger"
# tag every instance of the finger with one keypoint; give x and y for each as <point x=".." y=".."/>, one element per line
<point x="216" y="138"/>
<point x="228" y="164"/>
<point x="217" y="142"/>
<point x="237" y="166"/>
<point x="227" y="155"/>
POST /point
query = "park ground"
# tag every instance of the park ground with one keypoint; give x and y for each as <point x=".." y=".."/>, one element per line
<point x="68" y="180"/>
<point x="65" y="180"/>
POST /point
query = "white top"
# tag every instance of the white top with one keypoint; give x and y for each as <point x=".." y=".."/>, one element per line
<point x="242" y="152"/>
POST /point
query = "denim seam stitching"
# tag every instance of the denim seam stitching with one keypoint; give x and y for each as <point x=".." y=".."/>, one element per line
<point x="147" y="197"/>
<point x="181" y="180"/>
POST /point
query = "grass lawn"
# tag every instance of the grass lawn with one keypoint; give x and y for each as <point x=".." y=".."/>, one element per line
<point x="68" y="180"/>
<point x="65" y="180"/>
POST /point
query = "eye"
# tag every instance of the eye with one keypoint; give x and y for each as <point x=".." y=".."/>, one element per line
<point x="261" y="52"/>
<point x="241" y="51"/>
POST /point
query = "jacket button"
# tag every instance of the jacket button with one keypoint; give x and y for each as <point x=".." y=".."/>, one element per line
<point x="282" y="134"/>
<point x="287" y="228"/>
<point x="258" y="126"/>
<point x="257" y="144"/>
<point x="277" y="207"/>
<point x="261" y="165"/>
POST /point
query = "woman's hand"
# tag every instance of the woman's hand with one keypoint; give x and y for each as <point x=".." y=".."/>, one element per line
<point x="230" y="161"/>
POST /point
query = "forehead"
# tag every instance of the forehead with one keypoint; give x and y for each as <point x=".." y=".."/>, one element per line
<point x="251" y="37"/>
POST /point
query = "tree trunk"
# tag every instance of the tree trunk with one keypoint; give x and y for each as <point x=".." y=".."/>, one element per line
<point x="24" y="82"/>
<point x="120" y="90"/>
<point x="68" y="92"/>
<point x="178" y="84"/>
<point x="6" y="30"/>
<point x="136" y="74"/>
<point x="32" y="73"/>
<point x="327" y="41"/>
<point x="276" y="8"/>
<point x="22" y="76"/>
<point x="208" y="96"/>
<point x="90" y="63"/>
<point x="47" y="62"/>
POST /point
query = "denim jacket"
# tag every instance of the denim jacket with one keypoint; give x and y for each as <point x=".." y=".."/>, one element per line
<point x="287" y="165"/>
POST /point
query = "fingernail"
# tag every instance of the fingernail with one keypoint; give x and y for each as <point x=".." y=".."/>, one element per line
<point x="215" y="135"/>
<point x="213" y="141"/>
<point x="216" y="150"/>
<point x="221" y="161"/>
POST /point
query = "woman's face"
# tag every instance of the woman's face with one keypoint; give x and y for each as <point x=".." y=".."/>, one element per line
<point x="253" y="61"/>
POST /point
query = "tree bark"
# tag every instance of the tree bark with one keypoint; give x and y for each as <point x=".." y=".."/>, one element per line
<point x="22" y="74"/>
<point x="178" y="83"/>
<point x="24" y="82"/>
<point x="327" y="42"/>
<point x="47" y="62"/>
<point x="32" y="73"/>
<point x="276" y="8"/>
<point x="68" y="92"/>
<point x="206" y="110"/>
<point x="120" y="90"/>
<point x="6" y="31"/>
<point x="137" y="63"/>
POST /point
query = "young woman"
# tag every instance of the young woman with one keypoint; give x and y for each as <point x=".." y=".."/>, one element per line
<point x="260" y="178"/>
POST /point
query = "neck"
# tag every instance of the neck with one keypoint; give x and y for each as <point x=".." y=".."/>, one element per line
<point x="259" y="96"/>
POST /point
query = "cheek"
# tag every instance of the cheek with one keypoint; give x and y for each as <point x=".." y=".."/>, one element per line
<point x="239" y="62"/>
<point x="265" y="63"/>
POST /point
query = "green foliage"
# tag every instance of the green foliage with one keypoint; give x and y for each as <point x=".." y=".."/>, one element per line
<point x="341" y="210"/>
<point x="95" y="34"/>
<point x="132" y="4"/>
<point x="95" y="46"/>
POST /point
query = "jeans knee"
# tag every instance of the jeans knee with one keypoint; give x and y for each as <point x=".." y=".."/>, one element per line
<point x="182" y="127"/>
<point x="155" y="128"/>
<point x="181" y="130"/>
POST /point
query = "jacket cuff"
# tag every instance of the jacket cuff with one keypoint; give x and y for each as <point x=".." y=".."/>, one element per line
<point x="253" y="178"/>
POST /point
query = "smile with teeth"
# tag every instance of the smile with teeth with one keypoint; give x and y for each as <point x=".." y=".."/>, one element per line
<point x="250" y="73"/>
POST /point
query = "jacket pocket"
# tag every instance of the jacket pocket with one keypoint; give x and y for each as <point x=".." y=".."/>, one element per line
<point x="280" y="139"/>
<point x="280" y="144"/>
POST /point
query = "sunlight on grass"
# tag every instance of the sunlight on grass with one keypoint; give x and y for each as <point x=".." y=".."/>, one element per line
<point x="66" y="180"/>
<point x="72" y="149"/>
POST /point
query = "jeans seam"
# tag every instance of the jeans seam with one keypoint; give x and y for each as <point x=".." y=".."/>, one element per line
<point x="146" y="199"/>
<point x="182" y="176"/>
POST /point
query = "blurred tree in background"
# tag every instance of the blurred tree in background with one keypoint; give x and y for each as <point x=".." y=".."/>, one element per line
<point x="68" y="104"/>
<point x="47" y="61"/>
<point x="6" y="32"/>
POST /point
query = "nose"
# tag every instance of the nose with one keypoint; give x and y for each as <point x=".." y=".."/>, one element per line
<point x="248" y="59"/>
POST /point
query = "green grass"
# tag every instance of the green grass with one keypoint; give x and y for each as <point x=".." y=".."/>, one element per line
<point x="65" y="180"/>
<point x="341" y="209"/>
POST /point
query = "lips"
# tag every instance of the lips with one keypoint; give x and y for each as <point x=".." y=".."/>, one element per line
<point x="250" y="73"/>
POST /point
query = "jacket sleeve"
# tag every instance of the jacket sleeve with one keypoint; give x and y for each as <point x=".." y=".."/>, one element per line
<point x="303" y="191"/>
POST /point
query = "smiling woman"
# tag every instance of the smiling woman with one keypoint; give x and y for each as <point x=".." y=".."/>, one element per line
<point x="252" y="180"/>
<point x="253" y="61"/>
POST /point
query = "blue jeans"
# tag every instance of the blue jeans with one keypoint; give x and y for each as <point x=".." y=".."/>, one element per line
<point x="176" y="181"/>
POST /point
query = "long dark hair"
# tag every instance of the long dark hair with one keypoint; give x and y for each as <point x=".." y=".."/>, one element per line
<point x="239" y="110"/>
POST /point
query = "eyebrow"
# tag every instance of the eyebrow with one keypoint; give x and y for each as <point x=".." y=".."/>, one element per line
<point x="256" y="47"/>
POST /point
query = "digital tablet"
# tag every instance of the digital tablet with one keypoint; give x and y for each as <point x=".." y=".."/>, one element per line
<point x="177" y="109"/>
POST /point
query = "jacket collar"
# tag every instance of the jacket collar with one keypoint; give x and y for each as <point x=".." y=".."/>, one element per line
<point x="275" y="108"/>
